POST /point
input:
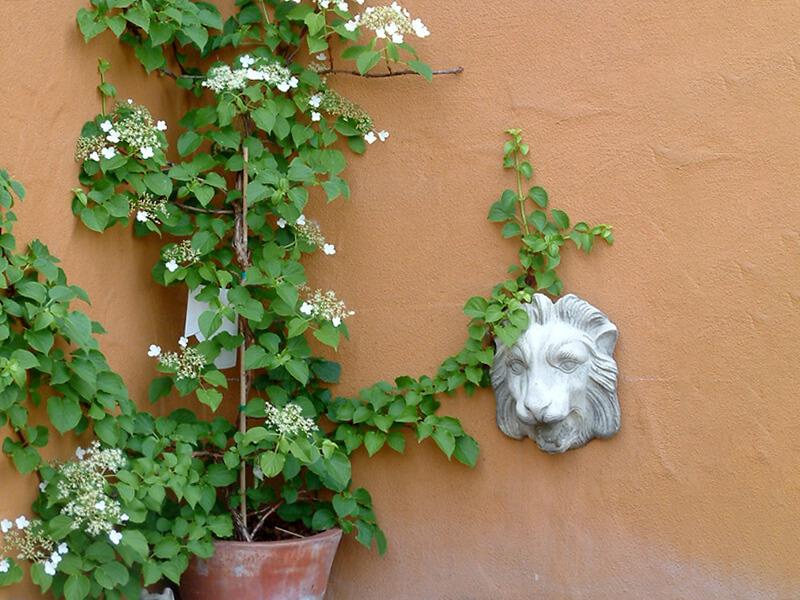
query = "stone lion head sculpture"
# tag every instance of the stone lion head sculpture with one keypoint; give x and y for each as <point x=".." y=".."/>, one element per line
<point x="558" y="383"/>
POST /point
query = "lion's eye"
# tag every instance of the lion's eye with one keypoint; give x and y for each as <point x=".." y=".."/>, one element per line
<point x="568" y="365"/>
<point x="517" y="366"/>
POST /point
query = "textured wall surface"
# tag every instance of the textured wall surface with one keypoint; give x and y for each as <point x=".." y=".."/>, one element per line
<point x="677" y="122"/>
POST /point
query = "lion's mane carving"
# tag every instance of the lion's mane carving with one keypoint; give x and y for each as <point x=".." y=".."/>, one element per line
<point x="558" y="383"/>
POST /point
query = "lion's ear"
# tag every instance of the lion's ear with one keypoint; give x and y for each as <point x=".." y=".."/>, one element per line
<point x="606" y="339"/>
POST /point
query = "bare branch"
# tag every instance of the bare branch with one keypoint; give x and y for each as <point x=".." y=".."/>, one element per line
<point x="289" y="532"/>
<point x="210" y="211"/>
<point x="450" y="71"/>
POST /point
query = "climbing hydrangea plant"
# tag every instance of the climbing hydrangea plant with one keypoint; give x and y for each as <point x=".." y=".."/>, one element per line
<point x="262" y="138"/>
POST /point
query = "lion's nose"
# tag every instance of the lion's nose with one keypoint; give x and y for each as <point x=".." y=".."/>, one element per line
<point x="525" y="414"/>
<point x="551" y="415"/>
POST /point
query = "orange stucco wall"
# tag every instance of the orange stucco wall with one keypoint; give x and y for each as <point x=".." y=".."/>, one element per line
<point x="677" y="122"/>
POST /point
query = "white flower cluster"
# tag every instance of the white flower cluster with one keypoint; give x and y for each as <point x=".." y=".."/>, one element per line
<point x="389" y="22"/>
<point x="224" y="79"/>
<point x="326" y="306"/>
<point x="31" y="542"/>
<point x="311" y="232"/>
<point x="188" y="364"/>
<point x="129" y="128"/>
<point x="289" y="420"/>
<point x="148" y="208"/>
<point x="83" y="484"/>
<point x="180" y="255"/>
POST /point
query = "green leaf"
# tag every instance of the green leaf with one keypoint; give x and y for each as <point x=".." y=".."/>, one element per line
<point x="139" y="17"/>
<point x="337" y="471"/>
<point x="159" y="183"/>
<point x="327" y="371"/>
<point x="315" y="23"/>
<point x="373" y="441"/>
<point x="539" y="220"/>
<point x="166" y="548"/>
<point x="502" y="210"/>
<point x="264" y="119"/>
<point x="538" y="195"/>
<point x="160" y="33"/>
<point x="64" y="412"/>
<point x="151" y="58"/>
<point x="298" y="369"/>
<point x="421" y="68"/>
<point x="116" y="24"/>
<point x="159" y="388"/>
<point x="445" y="440"/>
<point x="323" y="519"/>
<point x="344" y="506"/>
<point x="466" y="450"/>
<point x="136" y="541"/>
<point x="111" y="575"/>
<point x="77" y="587"/>
<point x="476" y="307"/>
<point x="216" y="378"/>
<point x="255" y="357"/>
<point x="546" y="279"/>
<point x="33" y="290"/>
<point x="396" y="441"/>
<point x="24" y="359"/>
<point x="209" y="397"/>
<point x="272" y="463"/>
<point x="198" y="34"/>
<point x="95" y="218"/>
<point x="561" y="218"/>
<point x="328" y="335"/>
<point x="511" y="229"/>
<point x="220" y="476"/>
<point x="25" y="459"/>
<point x="367" y="60"/>
<point x="189" y="142"/>
<point x="89" y="25"/>
<point x="288" y="293"/>
<point x="204" y="194"/>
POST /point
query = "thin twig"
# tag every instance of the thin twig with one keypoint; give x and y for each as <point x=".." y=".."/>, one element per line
<point x="169" y="73"/>
<point x="451" y="71"/>
<point x="211" y="211"/>
<point x="206" y="453"/>
<point x="289" y="532"/>
<point x="265" y="517"/>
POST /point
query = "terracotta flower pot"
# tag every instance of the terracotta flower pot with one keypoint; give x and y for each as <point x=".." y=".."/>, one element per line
<point x="286" y="570"/>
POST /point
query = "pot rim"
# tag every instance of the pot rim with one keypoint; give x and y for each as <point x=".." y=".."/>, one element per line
<point x="329" y="533"/>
